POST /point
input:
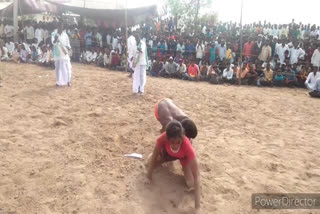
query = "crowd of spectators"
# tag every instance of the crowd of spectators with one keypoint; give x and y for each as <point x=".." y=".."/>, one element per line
<point x="272" y="55"/>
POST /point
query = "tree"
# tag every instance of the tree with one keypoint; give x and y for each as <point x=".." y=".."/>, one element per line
<point x="189" y="10"/>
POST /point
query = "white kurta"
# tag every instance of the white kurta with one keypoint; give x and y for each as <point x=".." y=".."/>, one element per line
<point x="62" y="61"/>
<point x="311" y="80"/>
<point x="296" y="54"/>
<point x="140" y="73"/>
<point x="132" y="49"/>
<point x="315" y="60"/>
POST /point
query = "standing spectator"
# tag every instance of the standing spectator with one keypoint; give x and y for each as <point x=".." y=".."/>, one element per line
<point x="180" y="47"/>
<point x="296" y="54"/>
<point x="200" y="48"/>
<point x="29" y="31"/>
<point x="265" y="52"/>
<point x="222" y="50"/>
<point x="247" y="49"/>
<point x="39" y="34"/>
<point x="315" y="60"/>
<point x="281" y="51"/>
<point x="75" y="45"/>
<point x="8" y="31"/>
<point x="115" y="41"/>
<point x="213" y="51"/>
<point x="88" y="39"/>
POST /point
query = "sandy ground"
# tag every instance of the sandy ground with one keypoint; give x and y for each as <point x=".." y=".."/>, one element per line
<point x="61" y="150"/>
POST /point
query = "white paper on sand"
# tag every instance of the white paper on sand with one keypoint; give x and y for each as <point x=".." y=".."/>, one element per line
<point x="134" y="155"/>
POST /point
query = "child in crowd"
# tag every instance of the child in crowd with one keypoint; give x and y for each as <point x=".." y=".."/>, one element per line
<point x="278" y="79"/>
<point x="290" y="77"/>
<point x="267" y="78"/>
<point x="106" y="58"/>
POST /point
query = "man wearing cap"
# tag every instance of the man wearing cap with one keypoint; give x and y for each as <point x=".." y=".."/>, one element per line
<point x="182" y="71"/>
<point x="170" y="69"/>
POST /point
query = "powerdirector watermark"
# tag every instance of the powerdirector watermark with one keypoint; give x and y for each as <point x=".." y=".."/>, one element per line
<point x="285" y="201"/>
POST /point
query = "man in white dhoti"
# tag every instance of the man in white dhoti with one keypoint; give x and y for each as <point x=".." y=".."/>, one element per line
<point x="61" y="46"/>
<point x="140" y="66"/>
<point x="132" y="50"/>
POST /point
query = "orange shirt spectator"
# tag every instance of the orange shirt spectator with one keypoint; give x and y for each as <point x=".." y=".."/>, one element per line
<point x="193" y="70"/>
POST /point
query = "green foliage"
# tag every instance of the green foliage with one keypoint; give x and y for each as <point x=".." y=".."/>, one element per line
<point x="187" y="9"/>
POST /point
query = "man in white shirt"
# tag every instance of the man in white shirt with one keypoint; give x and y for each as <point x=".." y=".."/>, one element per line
<point x="8" y="31"/>
<point x="280" y="51"/>
<point x="140" y="67"/>
<point x="312" y="78"/>
<point x="227" y="74"/>
<point x="200" y="51"/>
<point x="132" y="49"/>
<point x="10" y="47"/>
<point x="315" y="60"/>
<point x="62" y="46"/>
<point x="99" y="39"/>
<point x="114" y="41"/>
<point x="296" y="53"/>
<point x="29" y="30"/>
<point x="108" y="38"/>
<point x="39" y="34"/>
<point x="1" y="29"/>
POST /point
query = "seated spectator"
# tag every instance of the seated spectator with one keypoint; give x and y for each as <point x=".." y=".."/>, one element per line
<point x="252" y="76"/>
<point x="278" y="79"/>
<point x="156" y="67"/>
<point x="34" y="55"/>
<point x="312" y="78"/>
<point x="106" y="58"/>
<point x="203" y="72"/>
<point x="267" y="78"/>
<point x="182" y="71"/>
<point x="4" y="54"/>
<point x="23" y="54"/>
<point x="99" y="60"/>
<point x="214" y="74"/>
<point x="290" y="77"/>
<point x="227" y="75"/>
<point x="89" y="56"/>
<point x="242" y="73"/>
<point x="316" y="89"/>
<point x="170" y="69"/>
<point x="193" y="71"/>
<point x="115" y="61"/>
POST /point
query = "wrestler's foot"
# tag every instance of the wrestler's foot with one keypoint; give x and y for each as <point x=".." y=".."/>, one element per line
<point x="69" y="84"/>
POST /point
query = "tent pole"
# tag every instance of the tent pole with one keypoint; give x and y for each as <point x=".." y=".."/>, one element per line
<point x="15" y="20"/>
<point x="241" y="45"/>
<point x="126" y="24"/>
